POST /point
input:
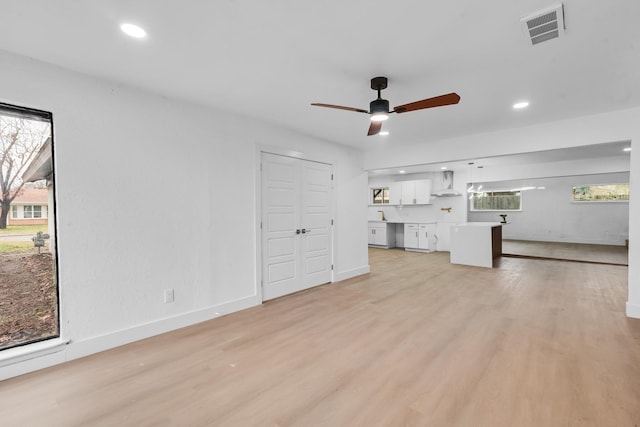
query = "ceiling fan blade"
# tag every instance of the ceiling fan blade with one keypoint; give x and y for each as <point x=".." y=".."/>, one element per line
<point x="437" y="101"/>
<point x="340" y="107"/>
<point x="374" y="128"/>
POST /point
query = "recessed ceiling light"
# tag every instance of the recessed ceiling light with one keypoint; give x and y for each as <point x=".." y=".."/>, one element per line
<point x="627" y="149"/>
<point x="133" y="31"/>
<point x="384" y="133"/>
<point x="520" y="105"/>
<point x="402" y="172"/>
<point x="444" y="168"/>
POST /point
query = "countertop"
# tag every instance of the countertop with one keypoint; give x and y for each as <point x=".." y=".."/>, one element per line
<point x="478" y="224"/>
<point x="401" y="221"/>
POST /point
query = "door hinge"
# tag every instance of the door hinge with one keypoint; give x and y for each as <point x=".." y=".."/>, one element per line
<point x="332" y="266"/>
<point x="331" y="177"/>
<point x="331" y="222"/>
<point x="260" y="225"/>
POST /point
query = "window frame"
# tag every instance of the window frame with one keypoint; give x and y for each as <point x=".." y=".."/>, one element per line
<point x="385" y="195"/>
<point x="29" y="113"/>
<point x="578" y="201"/>
<point x="472" y="199"/>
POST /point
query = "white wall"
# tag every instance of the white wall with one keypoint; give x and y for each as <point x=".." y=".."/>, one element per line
<point x="154" y="194"/>
<point x="595" y="129"/>
<point x="549" y="215"/>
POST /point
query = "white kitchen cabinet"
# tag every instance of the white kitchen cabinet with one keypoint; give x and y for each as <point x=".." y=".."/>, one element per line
<point x="425" y="236"/>
<point x="411" y="236"/>
<point x="417" y="192"/>
<point x="419" y="237"/>
<point x="395" y="193"/>
<point x="382" y="234"/>
<point x="423" y="192"/>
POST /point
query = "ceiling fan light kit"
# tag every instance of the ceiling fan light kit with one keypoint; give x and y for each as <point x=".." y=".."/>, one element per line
<point x="379" y="108"/>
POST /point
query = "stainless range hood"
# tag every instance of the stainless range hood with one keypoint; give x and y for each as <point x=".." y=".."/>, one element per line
<point x="446" y="186"/>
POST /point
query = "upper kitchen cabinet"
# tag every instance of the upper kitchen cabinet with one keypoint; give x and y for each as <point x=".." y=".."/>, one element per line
<point x="395" y="193"/>
<point x="416" y="192"/>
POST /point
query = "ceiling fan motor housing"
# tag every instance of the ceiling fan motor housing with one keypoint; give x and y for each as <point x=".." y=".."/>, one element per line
<point x="379" y="106"/>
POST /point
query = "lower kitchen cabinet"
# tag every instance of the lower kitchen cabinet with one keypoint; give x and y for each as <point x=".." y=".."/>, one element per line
<point x="382" y="234"/>
<point x="420" y="237"/>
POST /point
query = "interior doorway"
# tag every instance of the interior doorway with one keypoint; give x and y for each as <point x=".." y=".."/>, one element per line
<point x="296" y="224"/>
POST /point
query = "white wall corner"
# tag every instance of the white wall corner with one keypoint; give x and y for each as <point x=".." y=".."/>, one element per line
<point x="633" y="310"/>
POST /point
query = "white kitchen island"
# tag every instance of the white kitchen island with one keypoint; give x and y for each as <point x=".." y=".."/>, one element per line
<point x="476" y="243"/>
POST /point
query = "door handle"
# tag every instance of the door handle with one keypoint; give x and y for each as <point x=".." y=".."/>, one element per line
<point x="298" y="231"/>
<point x="304" y="230"/>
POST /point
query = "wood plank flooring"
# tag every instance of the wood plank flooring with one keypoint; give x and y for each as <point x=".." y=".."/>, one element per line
<point x="418" y="342"/>
<point x="568" y="251"/>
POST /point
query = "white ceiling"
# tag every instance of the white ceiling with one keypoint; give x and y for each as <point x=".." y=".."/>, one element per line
<point x="271" y="59"/>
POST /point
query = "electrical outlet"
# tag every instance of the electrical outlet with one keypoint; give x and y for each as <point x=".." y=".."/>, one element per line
<point x="168" y="296"/>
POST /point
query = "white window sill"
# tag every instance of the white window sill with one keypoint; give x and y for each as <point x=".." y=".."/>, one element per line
<point x="31" y="351"/>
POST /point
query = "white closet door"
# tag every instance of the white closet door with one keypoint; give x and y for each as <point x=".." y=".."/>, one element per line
<point x="280" y="219"/>
<point x="296" y="225"/>
<point x="316" y="221"/>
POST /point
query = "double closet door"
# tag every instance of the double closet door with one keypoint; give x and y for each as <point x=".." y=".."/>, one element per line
<point x="296" y="224"/>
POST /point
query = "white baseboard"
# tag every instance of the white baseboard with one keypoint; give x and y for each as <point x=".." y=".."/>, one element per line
<point x="36" y="360"/>
<point x="125" y="336"/>
<point x="633" y="310"/>
<point x="26" y="358"/>
<point x="344" y="275"/>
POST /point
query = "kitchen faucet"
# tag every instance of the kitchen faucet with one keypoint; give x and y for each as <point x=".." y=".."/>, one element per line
<point x="383" y="218"/>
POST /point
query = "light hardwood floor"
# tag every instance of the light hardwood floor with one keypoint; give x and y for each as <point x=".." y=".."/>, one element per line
<point x="418" y="342"/>
<point x="568" y="251"/>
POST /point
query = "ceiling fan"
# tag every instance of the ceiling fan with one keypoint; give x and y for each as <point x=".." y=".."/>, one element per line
<point x="379" y="108"/>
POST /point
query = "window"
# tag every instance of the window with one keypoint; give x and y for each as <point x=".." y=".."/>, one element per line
<point x="496" y="201"/>
<point x="380" y="196"/>
<point x="29" y="294"/>
<point x="601" y="193"/>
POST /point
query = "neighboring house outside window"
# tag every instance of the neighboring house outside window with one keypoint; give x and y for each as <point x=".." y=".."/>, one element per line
<point x="31" y="207"/>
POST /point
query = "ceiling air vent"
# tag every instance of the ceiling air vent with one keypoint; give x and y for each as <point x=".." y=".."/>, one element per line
<point x="544" y="25"/>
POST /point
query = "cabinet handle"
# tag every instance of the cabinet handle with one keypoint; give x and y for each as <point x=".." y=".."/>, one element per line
<point x="304" y="230"/>
<point x="298" y="231"/>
